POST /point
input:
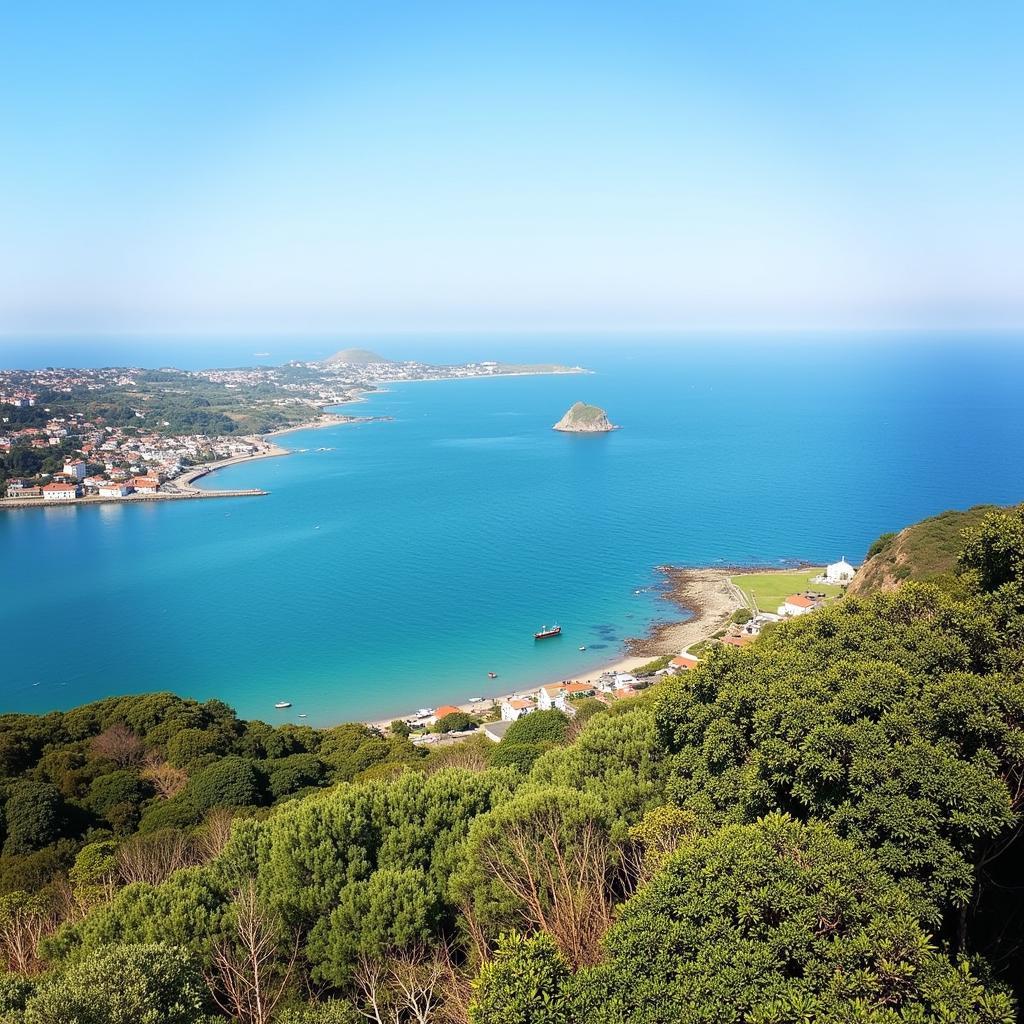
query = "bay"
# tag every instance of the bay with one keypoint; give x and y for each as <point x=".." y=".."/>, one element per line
<point x="397" y="567"/>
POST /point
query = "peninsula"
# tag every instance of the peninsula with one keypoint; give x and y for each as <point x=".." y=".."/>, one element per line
<point x="585" y="419"/>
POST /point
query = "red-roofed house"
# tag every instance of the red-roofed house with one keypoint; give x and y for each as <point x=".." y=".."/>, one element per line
<point x="797" y="604"/>
<point x="445" y="709"/>
<point x="738" y="641"/>
<point x="683" y="662"/>
<point x="61" y="492"/>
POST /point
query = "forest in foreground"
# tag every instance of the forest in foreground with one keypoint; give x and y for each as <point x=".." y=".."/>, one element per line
<point x="821" y="827"/>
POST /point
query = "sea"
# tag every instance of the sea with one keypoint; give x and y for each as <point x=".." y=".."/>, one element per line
<point x="394" y="564"/>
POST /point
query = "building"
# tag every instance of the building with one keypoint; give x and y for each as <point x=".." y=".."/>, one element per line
<point x="684" y="662"/>
<point x="61" y="492"/>
<point x="144" y="484"/>
<point x="560" y="694"/>
<point x="797" y="604"/>
<point x="839" y="572"/>
<point x="514" y="709"/>
<point x="76" y="469"/>
<point x="738" y="641"/>
<point x="758" y="622"/>
<point x="112" y="489"/>
<point x="495" y="731"/>
<point x="444" y="709"/>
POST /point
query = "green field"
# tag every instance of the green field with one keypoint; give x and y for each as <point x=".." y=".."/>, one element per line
<point x="766" y="590"/>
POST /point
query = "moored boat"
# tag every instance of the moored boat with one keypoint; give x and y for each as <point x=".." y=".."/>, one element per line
<point x="283" y="704"/>
<point x="546" y="631"/>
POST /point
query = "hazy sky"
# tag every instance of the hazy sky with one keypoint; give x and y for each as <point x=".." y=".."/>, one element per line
<point x="211" y="165"/>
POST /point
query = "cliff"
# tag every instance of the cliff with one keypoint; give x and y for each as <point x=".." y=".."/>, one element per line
<point x="585" y="419"/>
<point x="919" y="552"/>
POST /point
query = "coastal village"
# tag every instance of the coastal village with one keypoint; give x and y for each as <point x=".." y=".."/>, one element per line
<point x="744" y="621"/>
<point x="110" y="434"/>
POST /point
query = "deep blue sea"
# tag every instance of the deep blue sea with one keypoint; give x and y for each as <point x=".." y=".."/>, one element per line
<point x="398" y="567"/>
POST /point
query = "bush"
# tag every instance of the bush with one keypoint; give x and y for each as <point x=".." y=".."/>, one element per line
<point x="229" y="782"/>
<point x="741" y="615"/>
<point x="155" y="984"/>
<point x="455" y="721"/>
<point x="34" y="813"/>
<point x="538" y="727"/>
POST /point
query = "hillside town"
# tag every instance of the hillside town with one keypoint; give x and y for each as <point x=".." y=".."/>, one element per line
<point x="117" y="433"/>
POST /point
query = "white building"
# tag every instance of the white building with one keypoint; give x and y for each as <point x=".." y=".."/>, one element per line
<point x="839" y="572"/>
<point x="112" y="489"/>
<point x="559" y="695"/>
<point x="515" y="708"/>
<point x="60" y="492"/>
<point x="76" y="469"/>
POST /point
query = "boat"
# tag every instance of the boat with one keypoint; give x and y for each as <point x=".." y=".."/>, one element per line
<point x="492" y="675"/>
<point x="476" y="700"/>
<point x="583" y="647"/>
<point x="423" y="712"/>
<point x="283" y="704"/>
<point x="546" y="631"/>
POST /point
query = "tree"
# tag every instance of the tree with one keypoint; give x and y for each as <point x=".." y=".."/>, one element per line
<point x="112" y="794"/>
<point x="525" y="982"/>
<point x="118" y="744"/>
<point x="229" y="782"/>
<point x="538" y="727"/>
<point x="775" y="923"/>
<point x="154" y="984"/>
<point x="455" y="721"/>
<point x="34" y="813"/>
<point x="544" y="860"/>
<point x="994" y="550"/>
<point x="166" y="779"/>
<point x="251" y="968"/>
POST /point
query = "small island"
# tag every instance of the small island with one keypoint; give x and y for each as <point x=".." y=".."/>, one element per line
<point x="585" y="419"/>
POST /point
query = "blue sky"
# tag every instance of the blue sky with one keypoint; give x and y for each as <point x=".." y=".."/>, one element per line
<point x="219" y="166"/>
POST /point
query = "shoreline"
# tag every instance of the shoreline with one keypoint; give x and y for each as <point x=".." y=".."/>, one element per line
<point x="707" y="594"/>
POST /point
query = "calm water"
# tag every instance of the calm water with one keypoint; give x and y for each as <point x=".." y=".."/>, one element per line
<point x="397" y="568"/>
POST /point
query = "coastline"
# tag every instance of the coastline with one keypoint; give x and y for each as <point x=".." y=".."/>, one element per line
<point x="707" y="594"/>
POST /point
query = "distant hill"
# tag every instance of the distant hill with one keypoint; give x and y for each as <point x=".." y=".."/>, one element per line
<point x="355" y="357"/>
<point x="919" y="552"/>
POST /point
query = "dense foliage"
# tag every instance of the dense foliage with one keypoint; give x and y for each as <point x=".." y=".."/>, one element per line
<point x="819" y="827"/>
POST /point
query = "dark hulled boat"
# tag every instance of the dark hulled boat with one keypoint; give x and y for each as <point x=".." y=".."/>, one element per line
<point x="546" y="631"/>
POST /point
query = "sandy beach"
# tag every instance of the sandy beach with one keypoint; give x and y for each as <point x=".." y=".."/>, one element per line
<point x="708" y="595"/>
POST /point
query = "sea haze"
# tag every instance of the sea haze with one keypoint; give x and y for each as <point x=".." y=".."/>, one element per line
<point x="397" y="567"/>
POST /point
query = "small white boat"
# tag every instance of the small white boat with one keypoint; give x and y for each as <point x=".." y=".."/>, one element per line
<point x="583" y="647"/>
<point x="423" y="712"/>
<point x="302" y="714"/>
<point x="283" y="704"/>
<point x="475" y="700"/>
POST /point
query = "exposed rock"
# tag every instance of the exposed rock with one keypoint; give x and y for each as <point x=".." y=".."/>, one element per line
<point x="585" y="419"/>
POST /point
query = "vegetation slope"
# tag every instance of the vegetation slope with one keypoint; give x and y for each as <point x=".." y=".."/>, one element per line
<point x="923" y="551"/>
<point x="820" y="827"/>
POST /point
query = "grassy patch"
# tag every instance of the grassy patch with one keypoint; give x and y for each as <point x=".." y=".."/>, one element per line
<point x="769" y="589"/>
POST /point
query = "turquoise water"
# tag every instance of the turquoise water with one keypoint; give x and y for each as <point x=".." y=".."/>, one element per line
<point x="400" y="566"/>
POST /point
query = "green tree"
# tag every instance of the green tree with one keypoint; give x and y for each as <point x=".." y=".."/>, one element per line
<point x="455" y="721"/>
<point x="538" y="727"/>
<point x="134" y="984"/>
<point x="229" y="782"/>
<point x="525" y="983"/>
<point x="776" y="923"/>
<point x="34" y="813"/>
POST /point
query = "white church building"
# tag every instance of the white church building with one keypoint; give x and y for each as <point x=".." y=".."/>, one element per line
<point x="839" y="572"/>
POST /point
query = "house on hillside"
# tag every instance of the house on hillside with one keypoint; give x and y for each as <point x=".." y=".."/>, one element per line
<point x="559" y="695"/>
<point x="684" y="662"/>
<point x="444" y="709"/>
<point x="514" y="708"/>
<point x="798" y="604"/>
<point x="840" y="572"/>
<point x="758" y="622"/>
<point x="495" y="731"/>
